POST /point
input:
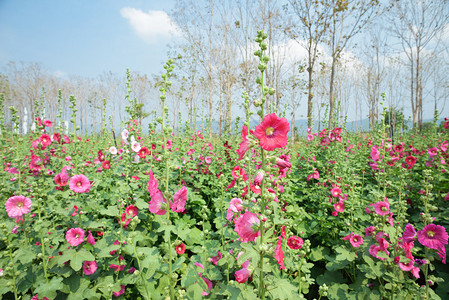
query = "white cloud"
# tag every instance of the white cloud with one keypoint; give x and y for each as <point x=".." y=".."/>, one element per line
<point x="152" y="25"/>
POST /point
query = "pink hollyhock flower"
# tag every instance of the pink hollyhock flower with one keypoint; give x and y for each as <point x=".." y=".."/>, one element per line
<point x="382" y="208"/>
<point x="79" y="184"/>
<point x="48" y="123"/>
<point x="113" y="150"/>
<point x="122" y="289"/>
<point x="447" y="197"/>
<point x="45" y="140"/>
<point x="339" y="207"/>
<point x="282" y="164"/>
<point x="74" y="236"/>
<point x="242" y="275"/>
<point x="209" y="285"/>
<point x="375" y="153"/>
<point x="179" y="200"/>
<point x="309" y="137"/>
<point x="442" y="253"/>
<point x="295" y="242"/>
<point x="244" y="144"/>
<point x="152" y="184"/>
<point x="17" y="206"/>
<point x="409" y="234"/>
<point x="335" y="191"/>
<point x="235" y="205"/>
<point x="315" y="175"/>
<point x="215" y="259"/>
<point x="432" y="152"/>
<point x="369" y="230"/>
<point x="90" y="239"/>
<point x="156" y="203"/>
<point x="89" y="267"/>
<point x="117" y="268"/>
<point x="199" y="265"/>
<point x="245" y="226"/>
<point x="279" y="254"/>
<point x="259" y="177"/>
<point x="131" y="210"/>
<point x="433" y="236"/>
<point x="208" y="160"/>
<point x="272" y="132"/>
<point x="374" y="249"/>
<point x="356" y="240"/>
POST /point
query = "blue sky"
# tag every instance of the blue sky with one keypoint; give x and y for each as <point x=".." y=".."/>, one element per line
<point x="86" y="38"/>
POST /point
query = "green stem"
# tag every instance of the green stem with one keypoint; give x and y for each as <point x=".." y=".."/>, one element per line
<point x="140" y="268"/>
<point x="13" y="268"/>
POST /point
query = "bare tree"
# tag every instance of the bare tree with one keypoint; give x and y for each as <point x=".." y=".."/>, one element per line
<point x="417" y="23"/>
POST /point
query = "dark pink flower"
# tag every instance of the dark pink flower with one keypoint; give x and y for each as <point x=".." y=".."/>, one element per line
<point x="45" y="140"/>
<point x="17" y="206"/>
<point x="244" y="144"/>
<point x="209" y="286"/>
<point x="79" y="184"/>
<point x="272" y="132"/>
<point x="295" y="242"/>
<point x="279" y="254"/>
<point x="339" y="207"/>
<point x="215" y="259"/>
<point x="382" y="208"/>
<point x="369" y="230"/>
<point x="156" y="203"/>
<point x="90" y="238"/>
<point x="246" y="225"/>
<point x="48" y="123"/>
<point x="433" y="236"/>
<point x="121" y="292"/>
<point x="356" y="240"/>
<point x="152" y="184"/>
<point x="409" y="234"/>
<point x="181" y="248"/>
<point x="89" y="267"/>
<point x="62" y="178"/>
<point x="179" y="200"/>
<point x="335" y="192"/>
<point x="74" y="236"/>
<point x="242" y="275"/>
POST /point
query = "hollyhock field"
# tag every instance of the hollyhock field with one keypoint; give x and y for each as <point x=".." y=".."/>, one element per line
<point x="147" y="214"/>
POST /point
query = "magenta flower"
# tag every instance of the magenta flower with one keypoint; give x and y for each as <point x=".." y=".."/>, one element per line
<point x="369" y="230"/>
<point x="152" y="185"/>
<point x="79" y="184"/>
<point x="244" y="145"/>
<point x="382" y="208"/>
<point x="215" y="259"/>
<point x="433" y="236"/>
<point x="242" y="275"/>
<point x="131" y="210"/>
<point x="62" y="178"/>
<point x="272" y="132"/>
<point x="375" y="153"/>
<point x="279" y="254"/>
<point x="246" y="225"/>
<point x="74" y="236"/>
<point x="122" y="289"/>
<point x="409" y="234"/>
<point x="335" y="192"/>
<point x="17" y="206"/>
<point x="90" y="238"/>
<point x="295" y="242"/>
<point x="356" y="240"/>
<point x="374" y="249"/>
<point x="89" y="267"/>
<point x="179" y="200"/>
<point x="339" y="207"/>
<point x="155" y="205"/>
<point x="209" y="286"/>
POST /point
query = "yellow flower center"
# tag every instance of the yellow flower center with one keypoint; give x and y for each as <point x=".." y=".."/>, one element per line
<point x="77" y="235"/>
<point x="20" y="204"/>
<point x="78" y="183"/>
<point x="269" y="131"/>
<point x="430" y="233"/>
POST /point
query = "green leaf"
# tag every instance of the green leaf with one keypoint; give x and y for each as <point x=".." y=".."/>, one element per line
<point x="284" y="290"/>
<point x="49" y="289"/>
<point x="25" y="255"/>
<point x="318" y="253"/>
<point x="344" y="254"/>
<point x="111" y="211"/>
